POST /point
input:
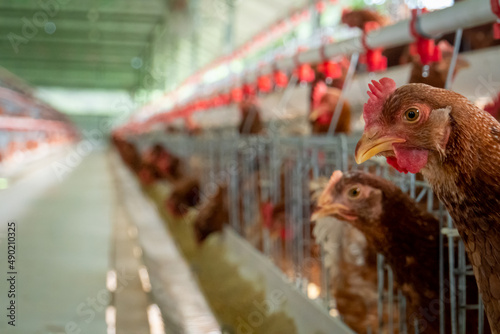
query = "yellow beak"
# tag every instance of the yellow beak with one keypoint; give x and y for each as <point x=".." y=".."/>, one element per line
<point x="368" y="147"/>
<point x="328" y="210"/>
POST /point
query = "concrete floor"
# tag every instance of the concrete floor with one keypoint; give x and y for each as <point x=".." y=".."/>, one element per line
<point x="64" y="242"/>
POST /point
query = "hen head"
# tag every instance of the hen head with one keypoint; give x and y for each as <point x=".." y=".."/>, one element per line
<point x="410" y="125"/>
<point x="354" y="197"/>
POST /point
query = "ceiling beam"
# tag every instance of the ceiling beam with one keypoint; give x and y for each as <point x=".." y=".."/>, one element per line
<point x="84" y="79"/>
<point x="85" y="83"/>
<point x="71" y="57"/>
<point x="116" y="42"/>
<point x="11" y="25"/>
<point x="83" y="15"/>
<point x="50" y="67"/>
<point x="44" y="50"/>
<point x="63" y="61"/>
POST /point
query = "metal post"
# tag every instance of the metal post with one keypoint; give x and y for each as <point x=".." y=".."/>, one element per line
<point x="380" y="280"/>
<point x="390" y="299"/>
<point x="462" y="288"/>
<point x="453" y="62"/>
<point x="451" y="277"/>
<point x="402" y="312"/>
<point x="441" y="269"/>
<point x="346" y="85"/>
<point x="480" y="310"/>
<point x="325" y="280"/>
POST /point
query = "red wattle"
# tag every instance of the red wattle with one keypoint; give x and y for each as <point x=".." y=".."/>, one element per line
<point x="392" y="161"/>
<point x="408" y="160"/>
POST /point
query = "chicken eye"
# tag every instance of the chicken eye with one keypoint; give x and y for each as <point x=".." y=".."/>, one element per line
<point x="412" y="115"/>
<point x="353" y="192"/>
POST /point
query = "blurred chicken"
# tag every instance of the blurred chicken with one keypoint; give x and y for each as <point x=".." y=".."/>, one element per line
<point x="438" y="71"/>
<point x="213" y="214"/>
<point x="214" y="210"/>
<point x="161" y="164"/>
<point x="325" y="100"/>
<point x="166" y="165"/>
<point x="406" y="235"/>
<point x="359" y="17"/>
<point x="185" y="194"/>
<point x="250" y="123"/>
<point x="128" y="152"/>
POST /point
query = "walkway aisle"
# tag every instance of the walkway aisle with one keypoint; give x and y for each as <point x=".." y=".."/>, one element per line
<point x="63" y="253"/>
<point x="131" y="299"/>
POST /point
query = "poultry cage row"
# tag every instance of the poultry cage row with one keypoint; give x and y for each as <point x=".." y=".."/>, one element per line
<point x="277" y="172"/>
<point x="14" y="145"/>
<point x="28" y="125"/>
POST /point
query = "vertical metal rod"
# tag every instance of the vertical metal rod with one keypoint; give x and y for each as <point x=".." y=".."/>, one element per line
<point x="412" y="185"/>
<point x="347" y="84"/>
<point x="229" y="28"/>
<point x="453" y="62"/>
<point x="253" y="192"/>
<point x="288" y="249"/>
<point x="325" y="280"/>
<point x="451" y="277"/>
<point x="287" y="94"/>
<point x="244" y="190"/>
<point x="462" y="292"/>
<point x="234" y="192"/>
<point x="315" y="163"/>
<point x="380" y="288"/>
<point x="480" y="310"/>
<point x="299" y="226"/>
<point x="390" y="299"/>
<point x="265" y="162"/>
<point x="344" y="151"/>
<point x="306" y="214"/>
<point x="402" y="312"/>
<point x="315" y="16"/>
<point x="442" y="308"/>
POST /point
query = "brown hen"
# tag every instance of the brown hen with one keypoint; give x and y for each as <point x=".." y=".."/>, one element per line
<point x="185" y="194"/>
<point x="359" y="17"/>
<point x="325" y="101"/>
<point x="456" y="146"/>
<point x="250" y="123"/>
<point x="407" y="236"/>
<point x="213" y="214"/>
<point x="437" y="71"/>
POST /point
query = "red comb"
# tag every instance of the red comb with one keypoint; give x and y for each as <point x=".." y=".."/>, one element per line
<point x="379" y="91"/>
